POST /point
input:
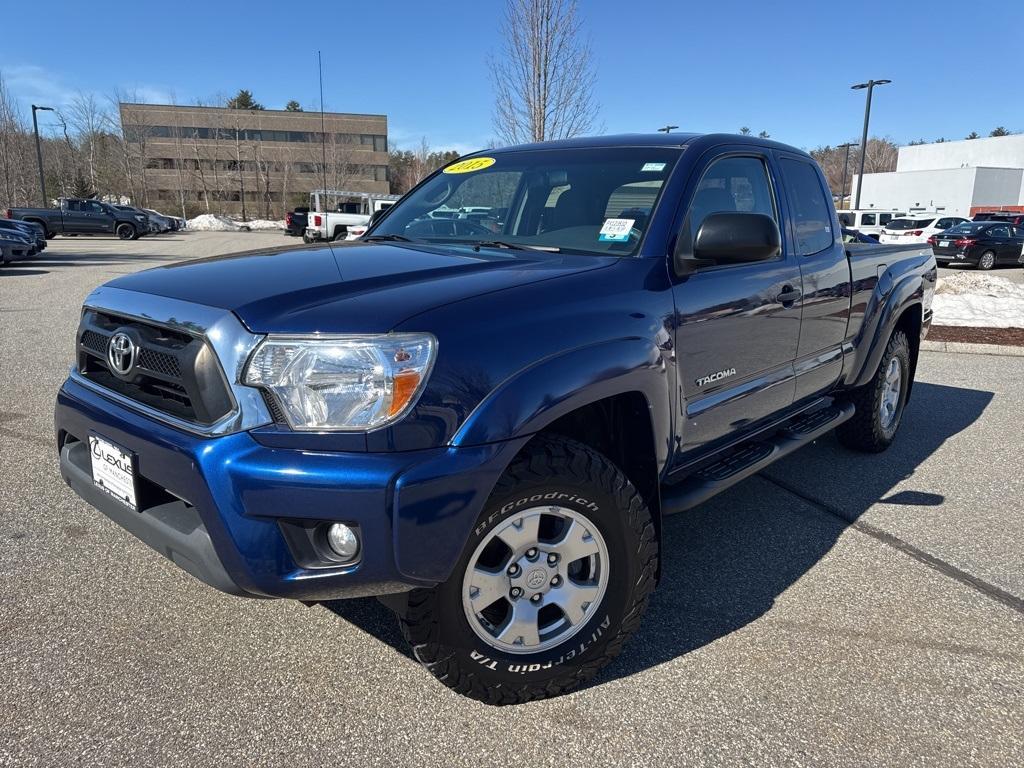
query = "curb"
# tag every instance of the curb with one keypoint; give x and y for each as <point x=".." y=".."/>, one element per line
<point x="966" y="348"/>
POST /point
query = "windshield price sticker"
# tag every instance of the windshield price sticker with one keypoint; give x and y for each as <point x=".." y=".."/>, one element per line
<point x="652" y="167"/>
<point x="470" y="165"/>
<point x="616" y="230"/>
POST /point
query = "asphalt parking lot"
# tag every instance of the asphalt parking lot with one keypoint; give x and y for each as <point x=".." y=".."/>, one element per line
<point x="839" y="609"/>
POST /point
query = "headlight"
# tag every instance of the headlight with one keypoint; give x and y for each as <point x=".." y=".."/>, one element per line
<point x="342" y="382"/>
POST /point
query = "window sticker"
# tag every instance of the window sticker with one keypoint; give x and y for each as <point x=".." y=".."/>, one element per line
<point x="652" y="167"/>
<point x="615" y="230"/>
<point x="470" y="165"/>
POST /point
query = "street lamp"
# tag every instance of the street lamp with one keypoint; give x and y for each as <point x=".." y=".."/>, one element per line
<point x="39" y="150"/>
<point x="870" y="85"/>
<point x="846" y="164"/>
<point x="667" y="129"/>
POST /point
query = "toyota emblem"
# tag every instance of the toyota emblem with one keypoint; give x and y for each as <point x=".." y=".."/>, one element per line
<point x="121" y="353"/>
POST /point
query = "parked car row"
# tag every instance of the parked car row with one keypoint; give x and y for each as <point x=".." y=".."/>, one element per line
<point x="158" y="222"/>
<point x="991" y="239"/>
<point x="20" y="240"/>
<point x="77" y="216"/>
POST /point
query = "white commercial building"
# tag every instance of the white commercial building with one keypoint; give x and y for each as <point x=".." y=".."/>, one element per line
<point x="952" y="177"/>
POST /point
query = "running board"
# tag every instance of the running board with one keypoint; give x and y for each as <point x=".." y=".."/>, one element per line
<point x="750" y="458"/>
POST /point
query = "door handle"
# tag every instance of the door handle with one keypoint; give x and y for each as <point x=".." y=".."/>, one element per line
<point x="789" y="295"/>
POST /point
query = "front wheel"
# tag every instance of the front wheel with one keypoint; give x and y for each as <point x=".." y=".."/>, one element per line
<point x="554" y="579"/>
<point x="987" y="260"/>
<point x="881" y="401"/>
<point x="126" y="232"/>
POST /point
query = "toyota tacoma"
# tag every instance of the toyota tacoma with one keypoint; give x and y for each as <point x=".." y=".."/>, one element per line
<point x="484" y="421"/>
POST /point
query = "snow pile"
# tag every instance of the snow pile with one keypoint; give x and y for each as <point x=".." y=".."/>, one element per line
<point x="264" y="224"/>
<point x="980" y="300"/>
<point x="213" y="222"/>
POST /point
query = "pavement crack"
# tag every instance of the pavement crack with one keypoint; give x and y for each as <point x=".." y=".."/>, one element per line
<point x="937" y="563"/>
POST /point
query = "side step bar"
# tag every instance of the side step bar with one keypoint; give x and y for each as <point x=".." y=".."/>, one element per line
<point x="750" y="458"/>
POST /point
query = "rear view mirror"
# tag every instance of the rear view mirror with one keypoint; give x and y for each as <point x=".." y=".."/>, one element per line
<point x="737" y="238"/>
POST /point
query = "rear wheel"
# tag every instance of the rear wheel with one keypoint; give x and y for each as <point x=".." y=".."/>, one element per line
<point x="126" y="232"/>
<point x="553" y="580"/>
<point x="987" y="260"/>
<point x="881" y="401"/>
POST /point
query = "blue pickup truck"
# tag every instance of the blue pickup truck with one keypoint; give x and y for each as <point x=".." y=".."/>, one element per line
<point x="482" y="410"/>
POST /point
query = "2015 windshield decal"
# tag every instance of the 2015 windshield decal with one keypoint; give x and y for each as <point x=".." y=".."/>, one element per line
<point x="470" y="165"/>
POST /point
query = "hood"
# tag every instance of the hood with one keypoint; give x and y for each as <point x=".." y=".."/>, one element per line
<point x="356" y="288"/>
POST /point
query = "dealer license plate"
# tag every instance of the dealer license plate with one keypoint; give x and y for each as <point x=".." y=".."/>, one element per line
<point x="113" y="470"/>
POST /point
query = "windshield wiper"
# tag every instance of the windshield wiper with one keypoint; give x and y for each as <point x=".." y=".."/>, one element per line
<point x="385" y="238"/>
<point x="513" y="246"/>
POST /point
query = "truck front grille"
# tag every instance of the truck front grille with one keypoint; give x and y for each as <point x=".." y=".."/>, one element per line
<point x="173" y="372"/>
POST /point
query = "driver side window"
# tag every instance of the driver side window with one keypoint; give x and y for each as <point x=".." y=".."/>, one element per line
<point x="730" y="185"/>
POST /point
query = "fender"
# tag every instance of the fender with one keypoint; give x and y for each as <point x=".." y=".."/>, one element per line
<point x="888" y="303"/>
<point x="539" y="394"/>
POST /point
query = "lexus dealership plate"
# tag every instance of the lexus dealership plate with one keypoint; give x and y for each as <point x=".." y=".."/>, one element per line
<point x="113" y="470"/>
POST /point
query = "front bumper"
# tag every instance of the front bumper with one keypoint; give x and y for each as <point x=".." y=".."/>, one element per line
<point x="215" y="506"/>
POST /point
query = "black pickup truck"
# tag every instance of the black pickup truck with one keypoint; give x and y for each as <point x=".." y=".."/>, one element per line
<point x="484" y="421"/>
<point x="75" y="216"/>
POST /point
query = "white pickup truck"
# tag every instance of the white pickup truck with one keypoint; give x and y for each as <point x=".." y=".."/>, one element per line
<point x="351" y="217"/>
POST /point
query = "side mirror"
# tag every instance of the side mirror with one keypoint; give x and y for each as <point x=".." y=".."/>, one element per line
<point x="737" y="238"/>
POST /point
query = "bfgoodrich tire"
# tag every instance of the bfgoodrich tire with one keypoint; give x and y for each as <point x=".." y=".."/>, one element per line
<point x="880" y="402"/>
<point x="554" y="579"/>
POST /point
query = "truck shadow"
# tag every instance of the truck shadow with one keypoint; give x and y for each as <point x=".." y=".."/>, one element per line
<point x="725" y="562"/>
<point x="54" y="258"/>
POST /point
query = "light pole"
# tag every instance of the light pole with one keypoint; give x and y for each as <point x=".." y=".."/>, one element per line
<point x="870" y="85"/>
<point x="39" y="150"/>
<point x="846" y="164"/>
<point x="667" y="129"/>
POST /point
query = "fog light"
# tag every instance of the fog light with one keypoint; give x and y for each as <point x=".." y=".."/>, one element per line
<point x="343" y="541"/>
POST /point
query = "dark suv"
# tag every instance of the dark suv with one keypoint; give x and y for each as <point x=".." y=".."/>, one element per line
<point x="985" y="244"/>
<point x="1010" y="217"/>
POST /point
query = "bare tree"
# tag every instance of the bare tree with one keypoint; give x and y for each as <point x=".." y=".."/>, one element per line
<point x="881" y="157"/>
<point x="87" y="120"/>
<point x="544" y="77"/>
<point x="17" y="158"/>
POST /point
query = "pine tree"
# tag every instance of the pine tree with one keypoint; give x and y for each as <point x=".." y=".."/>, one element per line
<point x="243" y="100"/>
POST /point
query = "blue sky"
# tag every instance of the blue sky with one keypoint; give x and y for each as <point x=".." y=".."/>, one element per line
<point x="784" y="67"/>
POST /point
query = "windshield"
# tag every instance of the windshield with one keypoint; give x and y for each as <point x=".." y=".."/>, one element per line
<point x="596" y="200"/>
<point x="909" y="223"/>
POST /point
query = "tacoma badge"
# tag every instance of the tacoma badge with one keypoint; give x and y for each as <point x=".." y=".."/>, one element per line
<point x="703" y="381"/>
